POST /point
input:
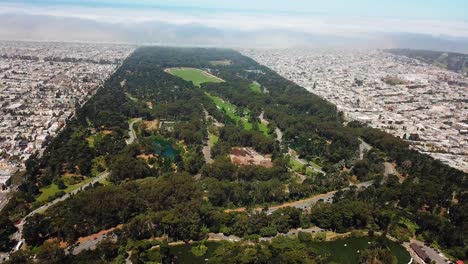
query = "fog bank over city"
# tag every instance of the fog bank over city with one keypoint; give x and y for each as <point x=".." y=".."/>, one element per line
<point x="229" y="30"/>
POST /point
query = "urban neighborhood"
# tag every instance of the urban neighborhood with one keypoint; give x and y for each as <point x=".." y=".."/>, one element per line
<point x="421" y="103"/>
<point x="41" y="85"/>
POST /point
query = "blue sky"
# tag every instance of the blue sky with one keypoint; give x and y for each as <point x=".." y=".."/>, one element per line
<point x="419" y="9"/>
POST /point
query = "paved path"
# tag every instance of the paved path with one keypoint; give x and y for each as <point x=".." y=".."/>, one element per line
<point x="206" y="150"/>
<point x="438" y="257"/>
<point x="91" y="243"/>
<point x="128" y="259"/>
<point x="131" y="131"/>
<point x="262" y="118"/>
<point x="304" y="203"/>
<point x="363" y="147"/>
<point x="4" y="198"/>
<point x="304" y="162"/>
<point x="279" y="135"/>
<point x="233" y="238"/>
<point x="278" y="132"/>
<point x="87" y="245"/>
<point x="19" y="234"/>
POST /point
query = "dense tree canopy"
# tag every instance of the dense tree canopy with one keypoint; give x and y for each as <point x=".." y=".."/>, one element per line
<point x="161" y="185"/>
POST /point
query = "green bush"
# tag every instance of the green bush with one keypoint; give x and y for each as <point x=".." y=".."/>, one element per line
<point x="319" y="237"/>
<point x="200" y="249"/>
<point x="304" y="237"/>
<point x="268" y="231"/>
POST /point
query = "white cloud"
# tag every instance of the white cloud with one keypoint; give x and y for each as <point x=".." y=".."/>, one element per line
<point x="339" y="26"/>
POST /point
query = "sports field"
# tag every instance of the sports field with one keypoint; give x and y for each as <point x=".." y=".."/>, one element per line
<point x="231" y="111"/>
<point x="196" y="76"/>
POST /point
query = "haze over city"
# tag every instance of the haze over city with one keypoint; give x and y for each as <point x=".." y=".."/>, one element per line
<point x="239" y="132"/>
<point x="435" y="24"/>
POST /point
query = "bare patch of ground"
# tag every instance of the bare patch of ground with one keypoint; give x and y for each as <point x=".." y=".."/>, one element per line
<point x="221" y="62"/>
<point x="106" y="132"/>
<point x="146" y="157"/>
<point x="151" y="125"/>
<point x="100" y="233"/>
<point x="248" y="156"/>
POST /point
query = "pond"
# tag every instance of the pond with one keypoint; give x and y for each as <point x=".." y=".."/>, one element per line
<point x="184" y="252"/>
<point x="346" y="250"/>
<point x="339" y="253"/>
<point x="165" y="148"/>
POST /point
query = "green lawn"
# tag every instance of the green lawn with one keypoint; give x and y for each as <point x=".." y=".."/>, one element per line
<point x="53" y="189"/>
<point x="255" y="86"/>
<point x="315" y="165"/>
<point x="231" y="111"/>
<point x="196" y="76"/>
<point x="47" y="192"/>
<point x="212" y="139"/>
<point x="297" y="167"/>
<point x="263" y="128"/>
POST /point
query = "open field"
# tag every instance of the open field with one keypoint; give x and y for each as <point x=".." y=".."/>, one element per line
<point x="298" y="167"/>
<point x="212" y="139"/>
<point x="53" y="189"/>
<point x="263" y="128"/>
<point x="196" y="76"/>
<point x="231" y="111"/>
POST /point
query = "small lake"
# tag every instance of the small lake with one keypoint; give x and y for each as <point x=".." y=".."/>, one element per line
<point x="339" y="253"/>
<point x="184" y="252"/>
<point x="165" y="148"/>
<point x="349" y="254"/>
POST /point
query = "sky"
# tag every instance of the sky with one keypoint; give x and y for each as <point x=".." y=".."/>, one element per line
<point x="444" y="19"/>
<point x="421" y="9"/>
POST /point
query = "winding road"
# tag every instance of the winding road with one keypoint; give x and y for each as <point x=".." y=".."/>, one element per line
<point x="304" y="162"/>
<point x="291" y="152"/>
<point x="305" y="203"/>
<point x="131" y="131"/>
<point x="19" y="234"/>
